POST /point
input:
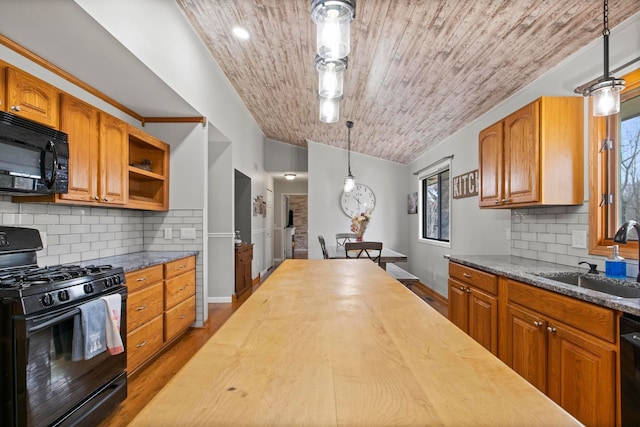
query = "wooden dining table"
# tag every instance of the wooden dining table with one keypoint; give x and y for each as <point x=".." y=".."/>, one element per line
<point x="387" y="256"/>
<point x="341" y="343"/>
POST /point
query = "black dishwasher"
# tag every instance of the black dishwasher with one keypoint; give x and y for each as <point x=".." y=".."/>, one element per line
<point x="630" y="369"/>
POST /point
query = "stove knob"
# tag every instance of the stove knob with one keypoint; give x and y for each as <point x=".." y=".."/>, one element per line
<point x="47" y="300"/>
<point x="63" y="295"/>
<point x="118" y="280"/>
<point x="88" y="288"/>
<point x="108" y="282"/>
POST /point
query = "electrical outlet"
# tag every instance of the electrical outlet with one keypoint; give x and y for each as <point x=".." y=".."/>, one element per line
<point x="168" y="233"/>
<point x="187" y="233"/>
<point x="579" y="239"/>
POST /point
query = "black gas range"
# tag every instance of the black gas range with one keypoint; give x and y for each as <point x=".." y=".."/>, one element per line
<point x="40" y="383"/>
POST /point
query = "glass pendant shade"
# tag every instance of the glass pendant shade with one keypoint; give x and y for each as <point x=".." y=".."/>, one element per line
<point x="349" y="183"/>
<point x="330" y="77"/>
<point x="606" y="97"/>
<point x="329" y="109"/>
<point x="333" y="20"/>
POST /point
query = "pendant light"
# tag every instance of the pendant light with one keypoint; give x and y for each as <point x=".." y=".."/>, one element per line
<point x="329" y="109"/>
<point x="606" y="91"/>
<point x="333" y="19"/>
<point x="330" y="76"/>
<point x="350" y="180"/>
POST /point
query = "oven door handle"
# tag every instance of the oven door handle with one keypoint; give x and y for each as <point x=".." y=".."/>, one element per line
<point x="53" y="321"/>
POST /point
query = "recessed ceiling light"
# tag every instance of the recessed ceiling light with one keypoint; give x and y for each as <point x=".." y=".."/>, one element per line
<point x="290" y="176"/>
<point x="241" y="33"/>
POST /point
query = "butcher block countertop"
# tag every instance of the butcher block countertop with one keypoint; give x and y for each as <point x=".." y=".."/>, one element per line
<point x="340" y="342"/>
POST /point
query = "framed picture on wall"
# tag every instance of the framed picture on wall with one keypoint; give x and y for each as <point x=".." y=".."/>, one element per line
<point x="412" y="203"/>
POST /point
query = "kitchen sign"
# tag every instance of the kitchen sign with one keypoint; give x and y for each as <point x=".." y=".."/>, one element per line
<point x="465" y="185"/>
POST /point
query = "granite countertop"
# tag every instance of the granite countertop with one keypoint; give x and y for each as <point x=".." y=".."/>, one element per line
<point x="527" y="271"/>
<point x="139" y="260"/>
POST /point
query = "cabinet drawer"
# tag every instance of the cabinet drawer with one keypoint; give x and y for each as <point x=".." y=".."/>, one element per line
<point x="140" y="278"/>
<point x="179" y="266"/>
<point x="486" y="281"/>
<point x="143" y="343"/>
<point x="143" y="306"/>
<point x="179" y="289"/>
<point x="179" y="318"/>
<point x="590" y="318"/>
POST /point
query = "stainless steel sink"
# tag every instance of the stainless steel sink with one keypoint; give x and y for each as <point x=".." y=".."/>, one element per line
<point x="608" y="286"/>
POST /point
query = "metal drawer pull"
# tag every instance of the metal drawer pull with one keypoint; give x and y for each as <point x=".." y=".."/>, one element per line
<point x="537" y="324"/>
<point x="142" y="344"/>
<point x="551" y="329"/>
<point x="15" y="108"/>
<point x="141" y="279"/>
<point x="183" y="316"/>
<point x="141" y="308"/>
<point x="182" y="266"/>
<point x="462" y="288"/>
<point x="182" y="288"/>
<point x="468" y="290"/>
<point x="467" y="275"/>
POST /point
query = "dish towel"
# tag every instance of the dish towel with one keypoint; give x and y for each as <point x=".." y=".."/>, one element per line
<point x="114" y="309"/>
<point x="89" y="332"/>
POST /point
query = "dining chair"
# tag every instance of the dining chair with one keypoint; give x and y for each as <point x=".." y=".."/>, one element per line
<point x="372" y="250"/>
<point x="342" y="238"/>
<point x="324" y="247"/>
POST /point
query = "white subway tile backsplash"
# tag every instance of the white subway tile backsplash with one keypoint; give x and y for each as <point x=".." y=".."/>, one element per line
<point x="548" y="236"/>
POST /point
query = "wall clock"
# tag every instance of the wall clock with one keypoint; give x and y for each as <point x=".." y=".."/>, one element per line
<point x="359" y="200"/>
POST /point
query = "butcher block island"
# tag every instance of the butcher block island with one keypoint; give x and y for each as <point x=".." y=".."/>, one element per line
<point x="340" y="342"/>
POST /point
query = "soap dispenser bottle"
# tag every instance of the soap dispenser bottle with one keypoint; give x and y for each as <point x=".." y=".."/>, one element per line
<point x="615" y="266"/>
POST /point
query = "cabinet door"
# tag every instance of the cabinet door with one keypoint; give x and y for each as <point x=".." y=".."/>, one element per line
<point x="582" y="376"/>
<point x="483" y="319"/>
<point x="490" y="165"/>
<point x="31" y="98"/>
<point x="527" y="345"/>
<point x="80" y="121"/>
<point x="522" y="155"/>
<point x="113" y="159"/>
<point x="458" y="305"/>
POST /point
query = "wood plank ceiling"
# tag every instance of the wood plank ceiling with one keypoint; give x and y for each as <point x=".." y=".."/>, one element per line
<point x="418" y="69"/>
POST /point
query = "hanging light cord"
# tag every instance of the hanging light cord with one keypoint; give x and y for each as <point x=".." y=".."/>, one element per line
<point x="605" y="34"/>
<point x="349" y="126"/>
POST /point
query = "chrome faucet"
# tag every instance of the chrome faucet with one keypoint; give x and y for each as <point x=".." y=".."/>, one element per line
<point x="622" y="235"/>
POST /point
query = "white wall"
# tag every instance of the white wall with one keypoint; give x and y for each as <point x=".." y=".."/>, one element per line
<point x="327" y="169"/>
<point x="484" y="231"/>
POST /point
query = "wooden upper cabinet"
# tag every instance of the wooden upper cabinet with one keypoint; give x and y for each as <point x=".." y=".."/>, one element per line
<point x="81" y="121"/>
<point x="113" y="159"/>
<point x="31" y="98"/>
<point x="522" y="155"/>
<point x="3" y="99"/>
<point x="490" y="157"/>
<point x="534" y="156"/>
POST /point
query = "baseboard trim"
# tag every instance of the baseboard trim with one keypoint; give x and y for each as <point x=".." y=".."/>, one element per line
<point x="213" y="300"/>
<point x="431" y="293"/>
<point x="256" y="280"/>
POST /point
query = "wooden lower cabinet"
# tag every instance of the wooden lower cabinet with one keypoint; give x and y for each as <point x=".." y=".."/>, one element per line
<point x="573" y="367"/>
<point x="178" y="318"/>
<point x="565" y="347"/>
<point x="243" y="259"/>
<point x="473" y="304"/>
<point x="161" y="304"/>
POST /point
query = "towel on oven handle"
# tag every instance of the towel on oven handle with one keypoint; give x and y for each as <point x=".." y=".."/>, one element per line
<point x="114" y="308"/>
<point x="89" y="331"/>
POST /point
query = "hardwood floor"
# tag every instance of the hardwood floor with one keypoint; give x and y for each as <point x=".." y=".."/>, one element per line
<point x="144" y="384"/>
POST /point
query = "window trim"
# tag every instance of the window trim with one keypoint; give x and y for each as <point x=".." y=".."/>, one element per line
<point x="427" y="173"/>
<point x="597" y="214"/>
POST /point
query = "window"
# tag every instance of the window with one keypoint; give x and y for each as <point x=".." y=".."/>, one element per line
<point x="436" y="205"/>
<point x="615" y="194"/>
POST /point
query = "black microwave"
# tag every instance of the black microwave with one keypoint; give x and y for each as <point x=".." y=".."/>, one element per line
<point x="34" y="159"/>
